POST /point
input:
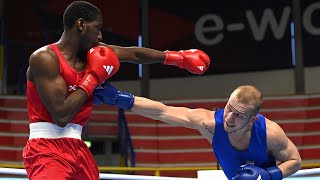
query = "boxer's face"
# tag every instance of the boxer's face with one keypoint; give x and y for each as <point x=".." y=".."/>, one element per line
<point x="91" y="34"/>
<point x="236" y="115"/>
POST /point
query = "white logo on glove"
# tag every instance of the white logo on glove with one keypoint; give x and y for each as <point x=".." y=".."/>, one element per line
<point x="108" y="69"/>
<point x="201" y="68"/>
<point x="91" y="50"/>
<point x="259" y="177"/>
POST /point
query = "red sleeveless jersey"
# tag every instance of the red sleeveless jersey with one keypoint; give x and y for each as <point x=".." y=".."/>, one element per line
<point x="38" y="112"/>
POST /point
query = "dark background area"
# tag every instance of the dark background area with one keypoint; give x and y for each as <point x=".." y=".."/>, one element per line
<point x="263" y="42"/>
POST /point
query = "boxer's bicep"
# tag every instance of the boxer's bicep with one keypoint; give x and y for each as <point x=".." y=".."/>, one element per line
<point x="280" y="146"/>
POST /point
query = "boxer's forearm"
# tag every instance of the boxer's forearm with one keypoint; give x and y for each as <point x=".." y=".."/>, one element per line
<point x="158" y="111"/>
<point x="289" y="167"/>
<point x="138" y="55"/>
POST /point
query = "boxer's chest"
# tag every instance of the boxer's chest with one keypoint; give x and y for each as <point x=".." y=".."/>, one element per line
<point x="240" y="144"/>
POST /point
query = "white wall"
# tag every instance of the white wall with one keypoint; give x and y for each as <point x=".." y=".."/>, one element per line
<point x="271" y="83"/>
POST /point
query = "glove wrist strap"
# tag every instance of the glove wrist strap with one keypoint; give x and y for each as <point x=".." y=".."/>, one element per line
<point x="173" y="58"/>
<point x="88" y="84"/>
<point x="275" y="172"/>
<point x="125" y="100"/>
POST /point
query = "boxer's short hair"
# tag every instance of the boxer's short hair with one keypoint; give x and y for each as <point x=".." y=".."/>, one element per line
<point x="77" y="10"/>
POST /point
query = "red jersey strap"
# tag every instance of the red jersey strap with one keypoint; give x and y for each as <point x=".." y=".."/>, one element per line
<point x="55" y="48"/>
<point x="62" y="60"/>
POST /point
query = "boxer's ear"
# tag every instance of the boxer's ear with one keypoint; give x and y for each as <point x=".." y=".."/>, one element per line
<point x="80" y="24"/>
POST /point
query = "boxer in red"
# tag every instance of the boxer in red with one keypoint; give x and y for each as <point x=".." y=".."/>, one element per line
<point x="60" y="80"/>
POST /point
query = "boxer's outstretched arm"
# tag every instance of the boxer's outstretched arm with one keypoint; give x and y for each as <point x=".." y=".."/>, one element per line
<point x="199" y="119"/>
<point x="194" y="60"/>
<point x="44" y="72"/>
<point x="180" y="116"/>
<point x="283" y="149"/>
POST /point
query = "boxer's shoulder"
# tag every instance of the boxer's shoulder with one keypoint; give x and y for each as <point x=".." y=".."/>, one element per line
<point x="43" y="55"/>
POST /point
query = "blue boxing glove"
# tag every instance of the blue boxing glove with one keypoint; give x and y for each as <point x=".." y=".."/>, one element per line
<point x="109" y="95"/>
<point x="252" y="172"/>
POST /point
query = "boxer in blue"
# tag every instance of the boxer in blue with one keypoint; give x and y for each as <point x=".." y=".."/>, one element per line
<point x="246" y="144"/>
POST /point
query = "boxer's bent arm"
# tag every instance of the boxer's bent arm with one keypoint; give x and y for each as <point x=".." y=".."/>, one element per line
<point x="138" y="55"/>
<point x="200" y="119"/>
<point x="283" y="149"/>
<point x="52" y="88"/>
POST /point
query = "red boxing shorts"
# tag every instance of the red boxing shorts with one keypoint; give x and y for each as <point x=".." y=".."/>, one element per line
<point x="53" y="152"/>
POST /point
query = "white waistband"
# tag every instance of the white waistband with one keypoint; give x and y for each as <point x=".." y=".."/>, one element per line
<point x="49" y="130"/>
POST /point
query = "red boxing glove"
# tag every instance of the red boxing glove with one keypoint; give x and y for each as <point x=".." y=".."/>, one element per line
<point x="102" y="64"/>
<point x="194" y="60"/>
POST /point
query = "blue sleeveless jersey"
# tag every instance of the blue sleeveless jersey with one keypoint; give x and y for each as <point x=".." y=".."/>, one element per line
<point x="231" y="159"/>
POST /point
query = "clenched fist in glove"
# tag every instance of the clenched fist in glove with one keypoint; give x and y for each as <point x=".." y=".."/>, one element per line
<point x="194" y="60"/>
<point x="252" y="172"/>
<point x="107" y="94"/>
<point x="102" y="64"/>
